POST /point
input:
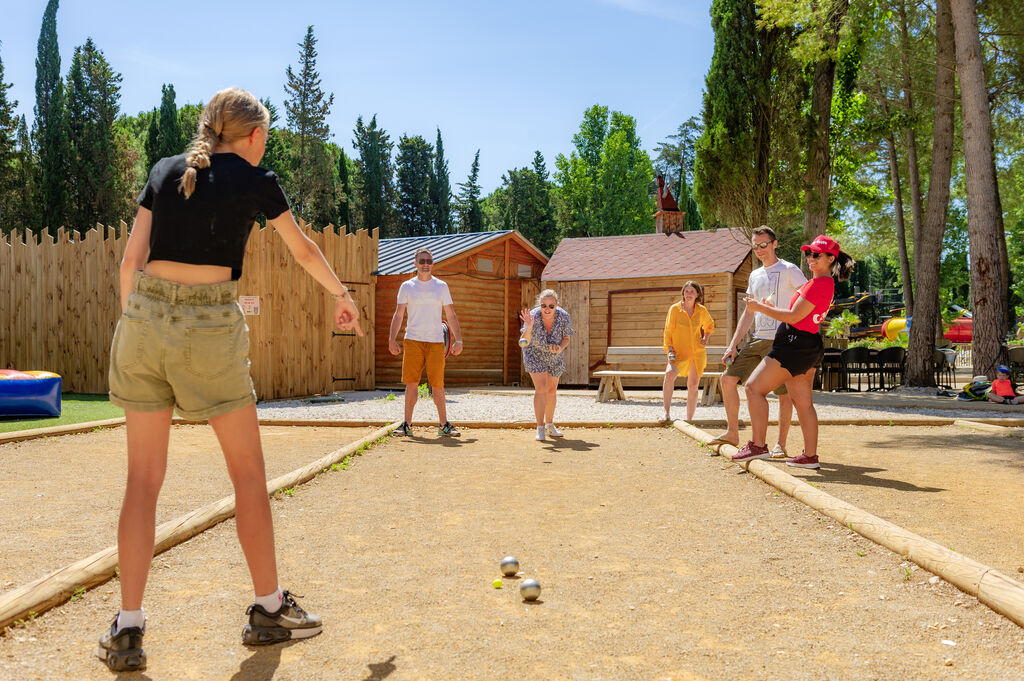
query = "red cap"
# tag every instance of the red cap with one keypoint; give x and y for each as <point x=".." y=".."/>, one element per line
<point x="823" y="244"/>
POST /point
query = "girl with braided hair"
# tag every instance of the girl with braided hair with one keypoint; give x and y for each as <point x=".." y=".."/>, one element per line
<point x="182" y="344"/>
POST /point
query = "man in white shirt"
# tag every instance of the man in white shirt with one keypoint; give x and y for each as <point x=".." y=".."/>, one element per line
<point x="777" y="280"/>
<point x="424" y="297"/>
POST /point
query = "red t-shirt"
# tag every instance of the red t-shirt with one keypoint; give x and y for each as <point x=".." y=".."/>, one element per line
<point x="819" y="291"/>
<point x="1003" y="387"/>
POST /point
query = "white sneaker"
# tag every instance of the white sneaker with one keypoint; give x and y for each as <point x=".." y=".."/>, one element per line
<point x="540" y="434"/>
<point x="552" y="430"/>
<point x="779" y="452"/>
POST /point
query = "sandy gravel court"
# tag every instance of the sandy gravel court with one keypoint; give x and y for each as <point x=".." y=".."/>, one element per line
<point x="657" y="561"/>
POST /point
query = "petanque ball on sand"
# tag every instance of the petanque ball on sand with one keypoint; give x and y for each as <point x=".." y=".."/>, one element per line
<point x="530" y="589"/>
<point x="496" y="584"/>
<point x="509" y="566"/>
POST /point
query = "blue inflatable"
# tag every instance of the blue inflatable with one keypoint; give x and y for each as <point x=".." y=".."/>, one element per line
<point x="34" y="393"/>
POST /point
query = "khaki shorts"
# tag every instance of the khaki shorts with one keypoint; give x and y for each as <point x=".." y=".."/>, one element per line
<point x="180" y="346"/>
<point x="420" y="354"/>
<point x="747" y="359"/>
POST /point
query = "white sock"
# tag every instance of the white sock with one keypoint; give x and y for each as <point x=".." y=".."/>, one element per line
<point x="131" y="618"/>
<point x="271" y="602"/>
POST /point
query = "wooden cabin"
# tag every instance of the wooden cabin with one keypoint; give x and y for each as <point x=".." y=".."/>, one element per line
<point x="618" y="289"/>
<point x="490" y="274"/>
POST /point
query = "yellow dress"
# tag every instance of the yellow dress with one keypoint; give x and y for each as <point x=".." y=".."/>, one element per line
<point x="683" y="334"/>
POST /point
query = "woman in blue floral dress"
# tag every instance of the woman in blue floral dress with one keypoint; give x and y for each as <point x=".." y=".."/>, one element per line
<point x="544" y="336"/>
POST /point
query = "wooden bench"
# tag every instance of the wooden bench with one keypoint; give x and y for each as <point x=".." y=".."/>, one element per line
<point x="610" y="387"/>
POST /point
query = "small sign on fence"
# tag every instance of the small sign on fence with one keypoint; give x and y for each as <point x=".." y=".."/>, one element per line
<point x="250" y="304"/>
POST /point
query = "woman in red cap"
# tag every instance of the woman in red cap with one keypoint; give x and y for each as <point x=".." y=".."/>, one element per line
<point x="796" y="352"/>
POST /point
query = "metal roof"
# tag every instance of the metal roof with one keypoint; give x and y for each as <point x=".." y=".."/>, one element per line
<point x="395" y="256"/>
<point x="648" y="255"/>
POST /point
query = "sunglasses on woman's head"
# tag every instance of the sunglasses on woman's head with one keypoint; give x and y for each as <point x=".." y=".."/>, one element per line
<point x="549" y="307"/>
<point x="426" y="261"/>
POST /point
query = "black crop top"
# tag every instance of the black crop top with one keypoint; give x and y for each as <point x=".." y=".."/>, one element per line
<point x="212" y="226"/>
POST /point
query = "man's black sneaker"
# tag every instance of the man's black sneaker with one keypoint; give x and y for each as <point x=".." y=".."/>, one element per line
<point x="122" y="650"/>
<point x="290" y="621"/>
<point x="404" y="429"/>
<point x="448" y="430"/>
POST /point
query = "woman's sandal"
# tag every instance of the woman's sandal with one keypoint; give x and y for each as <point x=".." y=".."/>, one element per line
<point x="719" y="441"/>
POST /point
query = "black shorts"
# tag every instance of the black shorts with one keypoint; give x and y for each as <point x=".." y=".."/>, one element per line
<point x="797" y="351"/>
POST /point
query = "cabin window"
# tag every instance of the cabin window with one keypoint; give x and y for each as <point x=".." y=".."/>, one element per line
<point x="484" y="265"/>
<point x="525" y="271"/>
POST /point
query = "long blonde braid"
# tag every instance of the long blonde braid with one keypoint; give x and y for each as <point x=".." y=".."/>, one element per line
<point x="231" y="114"/>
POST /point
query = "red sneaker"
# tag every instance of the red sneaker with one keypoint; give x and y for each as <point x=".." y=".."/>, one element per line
<point x="751" y="451"/>
<point x="804" y="461"/>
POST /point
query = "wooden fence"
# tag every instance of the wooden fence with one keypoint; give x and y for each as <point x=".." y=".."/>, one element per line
<point x="60" y="302"/>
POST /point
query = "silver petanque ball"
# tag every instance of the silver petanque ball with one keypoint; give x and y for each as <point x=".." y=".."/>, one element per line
<point x="523" y="342"/>
<point x="530" y="589"/>
<point x="509" y="566"/>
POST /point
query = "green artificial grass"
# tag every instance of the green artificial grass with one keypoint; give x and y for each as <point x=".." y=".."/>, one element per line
<point x="74" y="409"/>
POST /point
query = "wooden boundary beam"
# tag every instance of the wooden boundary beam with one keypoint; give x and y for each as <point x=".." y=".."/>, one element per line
<point x="996" y="590"/>
<point x="55" y="588"/>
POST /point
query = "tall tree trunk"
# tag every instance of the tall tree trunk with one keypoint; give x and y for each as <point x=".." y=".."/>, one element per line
<point x="818" y="176"/>
<point x="901" y="230"/>
<point x="928" y="249"/>
<point x="913" y="173"/>
<point x="988" y="277"/>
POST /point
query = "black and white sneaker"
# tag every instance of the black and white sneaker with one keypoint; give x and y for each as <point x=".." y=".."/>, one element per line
<point x="122" y="650"/>
<point x="290" y="621"/>
<point x="448" y="430"/>
<point x="404" y="429"/>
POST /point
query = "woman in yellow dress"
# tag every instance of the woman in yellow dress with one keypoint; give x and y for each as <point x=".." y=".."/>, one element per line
<point x="688" y="328"/>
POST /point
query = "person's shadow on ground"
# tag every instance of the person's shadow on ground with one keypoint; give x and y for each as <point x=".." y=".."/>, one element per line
<point x="845" y="474"/>
<point x="262" y="664"/>
<point x="381" y="670"/>
<point x="558" y="444"/>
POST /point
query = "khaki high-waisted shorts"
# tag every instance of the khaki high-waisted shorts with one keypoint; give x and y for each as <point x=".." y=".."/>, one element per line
<point x="181" y="346"/>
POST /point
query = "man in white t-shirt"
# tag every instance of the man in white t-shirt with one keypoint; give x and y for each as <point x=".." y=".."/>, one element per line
<point x="776" y="280"/>
<point x="424" y="297"/>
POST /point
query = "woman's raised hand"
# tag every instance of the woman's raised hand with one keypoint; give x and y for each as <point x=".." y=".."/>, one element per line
<point x="526" y="318"/>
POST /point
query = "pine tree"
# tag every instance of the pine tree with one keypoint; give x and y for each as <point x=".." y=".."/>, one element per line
<point x="376" y="188"/>
<point x="413" y="166"/>
<point x="171" y="141"/>
<point x="471" y="216"/>
<point x="441" y="190"/>
<point x="8" y="155"/>
<point x="93" y="91"/>
<point x="24" y="212"/>
<point x="306" y="111"/>
<point x="50" y="128"/>
<point x="545" y="228"/>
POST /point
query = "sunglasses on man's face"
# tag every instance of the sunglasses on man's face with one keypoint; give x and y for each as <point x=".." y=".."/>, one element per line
<point x="426" y="261"/>
<point x="762" y="246"/>
<point x="548" y="307"/>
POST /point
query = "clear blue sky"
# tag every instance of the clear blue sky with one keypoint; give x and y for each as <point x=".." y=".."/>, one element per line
<point x="507" y="78"/>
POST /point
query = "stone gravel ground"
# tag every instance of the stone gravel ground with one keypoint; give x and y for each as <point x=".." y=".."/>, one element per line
<point x="516" y="406"/>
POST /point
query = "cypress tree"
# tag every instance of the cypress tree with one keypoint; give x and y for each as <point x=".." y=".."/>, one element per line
<point x="344" y="213"/>
<point x="441" y="190"/>
<point x="8" y="154"/>
<point x="50" y="127"/>
<point x="93" y="91"/>
<point x="23" y="212"/>
<point x="472" y="219"/>
<point x="152" y="140"/>
<point x="374" y="163"/>
<point x="413" y="167"/>
<point x="744" y="90"/>
<point x="171" y="142"/>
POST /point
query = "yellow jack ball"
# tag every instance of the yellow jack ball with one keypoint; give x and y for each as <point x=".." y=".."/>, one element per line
<point x="496" y="584"/>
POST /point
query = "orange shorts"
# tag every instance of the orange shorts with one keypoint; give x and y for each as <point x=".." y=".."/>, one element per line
<point x="420" y="354"/>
